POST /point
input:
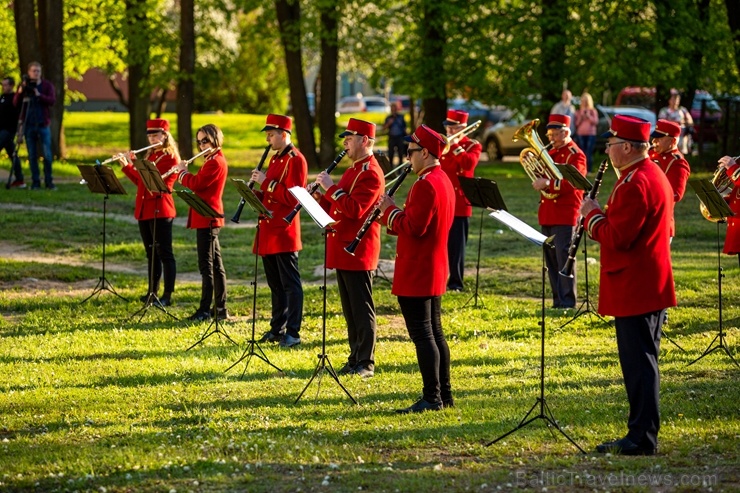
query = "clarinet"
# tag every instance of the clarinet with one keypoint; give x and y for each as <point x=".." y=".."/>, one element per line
<point x="375" y="213"/>
<point x="250" y="184"/>
<point x="289" y="218"/>
<point x="576" y="240"/>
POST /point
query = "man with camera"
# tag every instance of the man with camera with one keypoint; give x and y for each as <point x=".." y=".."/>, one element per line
<point x="36" y="96"/>
<point x="8" y="127"/>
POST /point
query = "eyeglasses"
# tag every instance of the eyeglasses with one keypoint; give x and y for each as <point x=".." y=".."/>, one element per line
<point x="202" y="142"/>
<point x="410" y="151"/>
<point x="609" y="144"/>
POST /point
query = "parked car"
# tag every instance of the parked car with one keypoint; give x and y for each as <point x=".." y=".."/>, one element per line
<point x="351" y="104"/>
<point x="498" y="139"/>
<point x="311" y="99"/>
<point x="476" y="111"/>
<point x="377" y="104"/>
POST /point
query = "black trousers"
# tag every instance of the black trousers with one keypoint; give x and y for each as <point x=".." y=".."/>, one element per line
<point x="563" y="288"/>
<point x="396" y="144"/>
<point x="356" y="295"/>
<point x="211" y="269"/>
<point x="456" y="242"/>
<point x="7" y="142"/>
<point x="638" y="341"/>
<point x="284" y="279"/>
<point x="164" y="258"/>
<point x="423" y="318"/>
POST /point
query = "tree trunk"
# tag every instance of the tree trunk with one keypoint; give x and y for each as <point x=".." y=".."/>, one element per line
<point x="289" y="16"/>
<point x="733" y="17"/>
<point x="138" y="70"/>
<point x="431" y="33"/>
<point x="25" y="33"/>
<point x="328" y="81"/>
<point x="51" y="37"/>
<point x="185" y="85"/>
<point x="553" y="43"/>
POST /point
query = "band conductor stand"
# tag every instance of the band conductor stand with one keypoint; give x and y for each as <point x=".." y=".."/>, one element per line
<point x="544" y="410"/>
<point x="718" y="209"/>
<point x="253" y="348"/>
<point x="323" y="221"/>
<point x="102" y="180"/>
<point x="485" y="194"/>
<point x="152" y="179"/>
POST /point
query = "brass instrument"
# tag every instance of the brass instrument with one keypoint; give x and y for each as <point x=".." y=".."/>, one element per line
<point x="123" y="154"/>
<point x="177" y="168"/>
<point x="724" y="186"/>
<point x="536" y="162"/>
<point x="462" y="133"/>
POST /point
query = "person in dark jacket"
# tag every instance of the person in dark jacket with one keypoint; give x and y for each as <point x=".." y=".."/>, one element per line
<point x="8" y="127"/>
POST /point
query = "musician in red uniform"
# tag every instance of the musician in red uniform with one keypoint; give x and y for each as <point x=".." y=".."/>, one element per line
<point x="460" y="160"/>
<point x="277" y="241"/>
<point x="665" y="154"/>
<point x="156" y="211"/>
<point x="732" y="238"/>
<point x="421" y="272"/>
<point x="349" y="202"/>
<point x="636" y="281"/>
<point x="208" y="184"/>
<point x="558" y="211"/>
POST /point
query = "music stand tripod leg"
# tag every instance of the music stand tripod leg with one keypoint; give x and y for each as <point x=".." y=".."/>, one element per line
<point x="475" y="296"/>
<point x="586" y="307"/>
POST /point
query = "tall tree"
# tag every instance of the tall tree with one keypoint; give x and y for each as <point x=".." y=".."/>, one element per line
<point x="329" y="14"/>
<point x="733" y="18"/>
<point x="289" y="18"/>
<point x="185" y="86"/>
<point x="138" y="59"/>
<point x="432" y="62"/>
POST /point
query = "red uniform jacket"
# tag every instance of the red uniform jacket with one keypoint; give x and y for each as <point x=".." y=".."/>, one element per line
<point x="422" y="228"/>
<point x="563" y="210"/>
<point x="677" y="170"/>
<point x="208" y="184"/>
<point x="349" y="202"/>
<point x="286" y="170"/>
<point x="461" y="160"/>
<point x="148" y="204"/>
<point x="732" y="239"/>
<point x="636" y="275"/>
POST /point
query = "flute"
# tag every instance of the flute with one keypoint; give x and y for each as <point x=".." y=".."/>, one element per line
<point x="178" y="168"/>
<point x="122" y="154"/>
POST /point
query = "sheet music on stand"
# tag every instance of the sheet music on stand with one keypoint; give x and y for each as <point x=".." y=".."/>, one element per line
<point x="574" y="177"/>
<point x="198" y="204"/>
<point x="101" y="179"/>
<point x="482" y="192"/>
<point x="711" y="198"/>
<point x="313" y="208"/>
<point x="251" y="199"/>
<point x="151" y="176"/>
<point x="520" y="227"/>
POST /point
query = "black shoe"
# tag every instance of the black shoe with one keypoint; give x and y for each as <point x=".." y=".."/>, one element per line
<point x="144" y="297"/>
<point x="199" y="316"/>
<point x="51" y="188"/>
<point x="363" y="371"/>
<point x="346" y="369"/>
<point x="270" y="337"/>
<point x="624" y="446"/>
<point x="448" y="402"/>
<point x="420" y="406"/>
<point x="165" y="301"/>
<point x="221" y="313"/>
<point x="35" y="187"/>
<point x="289" y="341"/>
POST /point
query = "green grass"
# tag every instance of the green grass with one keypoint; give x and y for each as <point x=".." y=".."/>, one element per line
<point x="91" y="400"/>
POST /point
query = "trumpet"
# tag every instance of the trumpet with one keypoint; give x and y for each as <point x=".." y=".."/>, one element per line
<point x="250" y="184"/>
<point x="462" y="133"/>
<point x="289" y="218"/>
<point x="177" y="168"/>
<point x="376" y="212"/>
<point x="123" y="154"/>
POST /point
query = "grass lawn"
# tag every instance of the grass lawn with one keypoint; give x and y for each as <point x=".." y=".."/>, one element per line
<point x="92" y="400"/>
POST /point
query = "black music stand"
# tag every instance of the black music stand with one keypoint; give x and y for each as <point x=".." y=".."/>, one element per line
<point x="718" y="208"/>
<point x="323" y="221"/>
<point x="253" y="348"/>
<point x="102" y="179"/>
<point x="485" y="194"/>
<point x="154" y="183"/>
<point x="198" y="205"/>
<point x="544" y="410"/>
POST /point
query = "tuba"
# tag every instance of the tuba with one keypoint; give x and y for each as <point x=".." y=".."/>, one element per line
<point x="724" y="186"/>
<point x="536" y="162"/>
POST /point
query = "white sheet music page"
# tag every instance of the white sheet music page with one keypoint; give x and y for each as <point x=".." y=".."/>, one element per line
<point x="313" y="208"/>
<point x="519" y="226"/>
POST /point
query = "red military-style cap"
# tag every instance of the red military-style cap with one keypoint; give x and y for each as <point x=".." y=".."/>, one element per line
<point x="629" y="128"/>
<point x="456" y="117"/>
<point x="428" y="139"/>
<point x="359" y="127"/>
<point x="666" y="128"/>
<point x="558" y="121"/>
<point x="278" y="122"/>
<point x="157" y="125"/>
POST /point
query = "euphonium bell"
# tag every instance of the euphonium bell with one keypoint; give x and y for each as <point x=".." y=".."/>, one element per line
<point x="536" y="162"/>
<point x="724" y="186"/>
